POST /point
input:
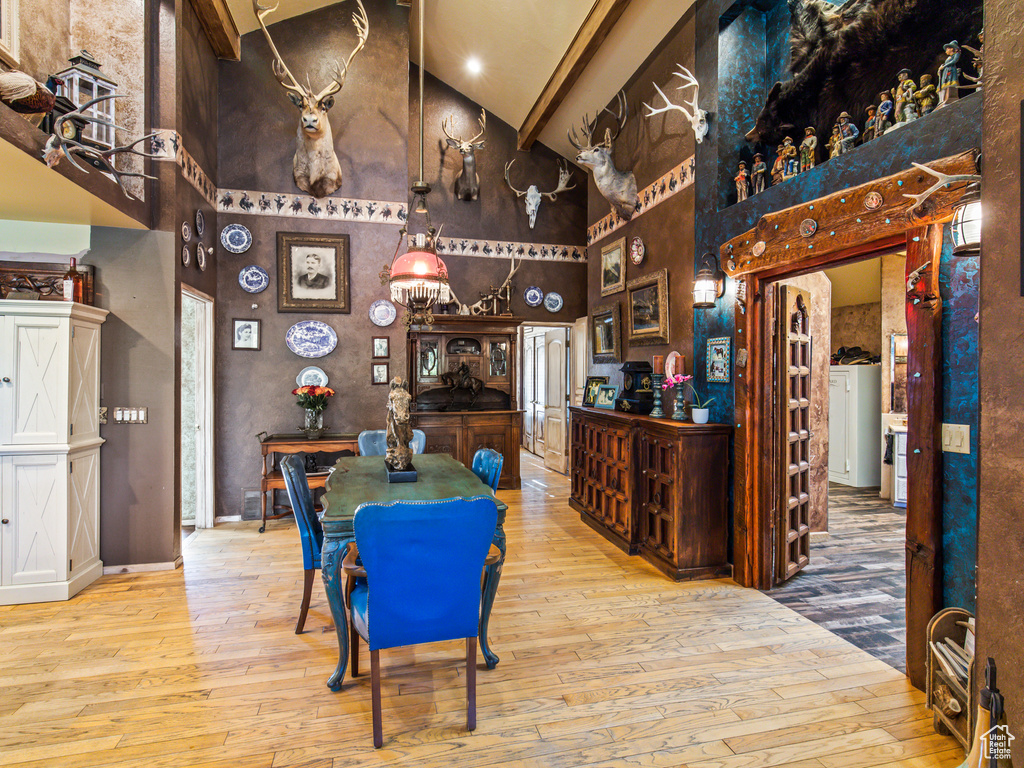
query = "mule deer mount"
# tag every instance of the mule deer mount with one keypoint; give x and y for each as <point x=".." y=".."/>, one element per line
<point x="467" y="183"/>
<point x="534" y="196"/>
<point x="698" y="117"/>
<point x="315" y="166"/>
<point x="617" y="187"/>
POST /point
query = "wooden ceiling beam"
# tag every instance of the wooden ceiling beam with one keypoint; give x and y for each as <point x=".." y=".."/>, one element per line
<point x="589" y="38"/>
<point x="220" y="28"/>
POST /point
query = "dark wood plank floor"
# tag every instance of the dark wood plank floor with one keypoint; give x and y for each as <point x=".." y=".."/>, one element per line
<point x="855" y="584"/>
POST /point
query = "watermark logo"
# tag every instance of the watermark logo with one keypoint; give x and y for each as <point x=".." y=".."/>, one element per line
<point x="996" y="743"/>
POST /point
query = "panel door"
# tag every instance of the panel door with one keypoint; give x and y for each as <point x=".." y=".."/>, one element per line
<point x="579" y="356"/>
<point x="657" y="495"/>
<point x="83" y="509"/>
<point x="793" y="529"/>
<point x="33" y="501"/>
<point x="528" y="393"/>
<point x="36" y="355"/>
<point x="84" y="382"/>
<point x="539" y="393"/>
<point x="556" y="389"/>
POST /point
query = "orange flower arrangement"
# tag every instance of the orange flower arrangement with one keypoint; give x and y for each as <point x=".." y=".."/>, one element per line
<point x="312" y="397"/>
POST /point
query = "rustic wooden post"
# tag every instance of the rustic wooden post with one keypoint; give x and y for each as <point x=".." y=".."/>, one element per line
<point x="924" y="443"/>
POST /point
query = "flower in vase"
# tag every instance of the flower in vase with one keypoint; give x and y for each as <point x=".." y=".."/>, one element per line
<point x="312" y="397"/>
<point x="677" y="379"/>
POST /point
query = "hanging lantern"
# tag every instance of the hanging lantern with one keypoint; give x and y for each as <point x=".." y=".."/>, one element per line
<point x="418" y="278"/>
<point x="708" y="285"/>
<point x="966" y="226"/>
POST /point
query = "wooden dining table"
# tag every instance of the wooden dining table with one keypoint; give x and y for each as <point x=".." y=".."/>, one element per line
<point x="355" y="480"/>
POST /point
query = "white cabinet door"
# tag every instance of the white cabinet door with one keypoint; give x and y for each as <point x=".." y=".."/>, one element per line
<point x="83" y="545"/>
<point x="33" y="502"/>
<point x="37" y="354"/>
<point x="838" y="426"/>
<point x="84" y="382"/>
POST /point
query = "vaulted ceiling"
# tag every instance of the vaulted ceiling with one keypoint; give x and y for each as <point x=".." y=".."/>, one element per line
<point x="519" y="44"/>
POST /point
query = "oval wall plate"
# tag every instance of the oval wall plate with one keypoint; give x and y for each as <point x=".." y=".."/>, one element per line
<point x="311" y="338"/>
<point x="186" y="256"/>
<point x="186" y="231"/>
<point x="235" y="238"/>
<point x="200" y="223"/>
<point x="311" y="376"/>
<point x="253" y="279"/>
<point x="383" y="313"/>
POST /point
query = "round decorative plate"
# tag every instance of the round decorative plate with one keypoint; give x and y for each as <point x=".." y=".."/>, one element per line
<point x="186" y="231"/>
<point x="200" y="223"/>
<point x="637" y="250"/>
<point x="553" y="302"/>
<point x="533" y="296"/>
<point x="186" y="256"/>
<point x="383" y="313"/>
<point x="253" y="279"/>
<point x="311" y="376"/>
<point x="201" y="256"/>
<point x="235" y="238"/>
<point x="670" y="363"/>
<point x="311" y="338"/>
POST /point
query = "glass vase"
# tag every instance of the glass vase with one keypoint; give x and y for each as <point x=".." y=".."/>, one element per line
<point x="313" y="426"/>
<point x="679" y="407"/>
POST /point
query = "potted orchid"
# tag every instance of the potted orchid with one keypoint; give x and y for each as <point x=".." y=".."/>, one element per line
<point x="698" y="411"/>
<point x="313" y="399"/>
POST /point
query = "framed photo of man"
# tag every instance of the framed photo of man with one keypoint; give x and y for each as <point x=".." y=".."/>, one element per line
<point x="312" y="272"/>
<point x="245" y="334"/>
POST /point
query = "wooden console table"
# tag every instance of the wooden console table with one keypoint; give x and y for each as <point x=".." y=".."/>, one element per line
<point x="273" y="479"/>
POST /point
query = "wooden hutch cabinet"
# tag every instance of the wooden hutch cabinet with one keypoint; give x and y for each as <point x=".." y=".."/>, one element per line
<point x="463" y="385"/>
<point x="654" y="487"/>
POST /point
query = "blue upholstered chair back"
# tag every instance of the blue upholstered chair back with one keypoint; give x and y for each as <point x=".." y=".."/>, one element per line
<point x="374" y="442"/>
<point x="301" y="498"/>
<point x="487" y="464"/>
<point x="403" y="541"/>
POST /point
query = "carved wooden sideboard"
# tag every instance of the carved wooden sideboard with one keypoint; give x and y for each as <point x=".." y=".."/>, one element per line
<point x="654" y="487"/>
<point x="480" y="353"/>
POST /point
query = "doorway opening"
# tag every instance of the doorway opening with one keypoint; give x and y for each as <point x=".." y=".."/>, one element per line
<point x="546" y="367"/>
<point x="196" y="425"/>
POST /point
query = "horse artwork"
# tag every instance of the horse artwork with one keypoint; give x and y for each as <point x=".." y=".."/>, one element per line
<point x="399" y="426"/>
<point x="461" y="379"/>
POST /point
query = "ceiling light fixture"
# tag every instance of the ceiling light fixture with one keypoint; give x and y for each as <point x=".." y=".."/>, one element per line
<point x="474" y="66"/>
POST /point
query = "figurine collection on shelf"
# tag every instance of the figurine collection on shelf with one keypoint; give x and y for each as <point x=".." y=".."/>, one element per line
<point x="903" y="103"/>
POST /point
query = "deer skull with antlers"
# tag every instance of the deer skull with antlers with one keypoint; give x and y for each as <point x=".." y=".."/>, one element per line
<point x="533" y="195"/>
<point x="315" y="166"/>
<point x="617" y="187"/>
<point x="467" y="183"/>
<point x="698" y="117"/>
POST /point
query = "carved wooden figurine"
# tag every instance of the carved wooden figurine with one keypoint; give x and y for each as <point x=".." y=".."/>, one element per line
<point x="927" y="97"/>
<point x="792" y="159"/>
<point x="906" y="107"/>
<point x="848" y="133"/>
<point x="883" y="119"/>
<point x="759" y="173"/>
<point x="869" y="125"/>
<point x="807" y="149"/>
<point x="779" y="166"/>
<point x="742" y="183"/>
<point x="399" y="428"/>
<point x="833" y="143"/>
<point x="949" y="74"/>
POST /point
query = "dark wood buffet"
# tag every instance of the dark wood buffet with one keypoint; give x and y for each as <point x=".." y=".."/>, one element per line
<point x="654" y="487"/>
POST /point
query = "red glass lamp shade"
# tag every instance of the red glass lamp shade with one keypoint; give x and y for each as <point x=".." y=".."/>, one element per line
<point x="419" y="279"/>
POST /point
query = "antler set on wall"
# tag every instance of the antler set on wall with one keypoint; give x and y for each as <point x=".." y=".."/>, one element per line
<point x="588" y="126"/>
<point x="698" y="117"/>
<point x="533" y="195"/>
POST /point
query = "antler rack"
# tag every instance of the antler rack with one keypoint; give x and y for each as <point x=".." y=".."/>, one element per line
<point x="588" y="126"/>
<point x="944" y="180"/>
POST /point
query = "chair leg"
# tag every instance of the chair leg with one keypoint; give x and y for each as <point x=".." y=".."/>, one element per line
<point x="471" y="683"/>
<point x="353" y="644"/>
<point x="378" y="732"/>
<point x="307" y="591"/>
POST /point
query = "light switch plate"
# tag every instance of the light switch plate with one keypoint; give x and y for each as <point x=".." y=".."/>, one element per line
<point x="124" y="414"/>
<point x="956" y="438"/>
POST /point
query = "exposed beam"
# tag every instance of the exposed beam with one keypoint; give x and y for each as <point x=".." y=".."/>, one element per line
<point x="219" y="27"/>
<point x="581" y="50"/>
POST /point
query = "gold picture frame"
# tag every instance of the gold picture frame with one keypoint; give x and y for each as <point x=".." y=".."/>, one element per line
<point x="312" y="273"/>
<point x="613" y="267"/>
<point x="606" y="333"/>
<point x="647" y="305"/>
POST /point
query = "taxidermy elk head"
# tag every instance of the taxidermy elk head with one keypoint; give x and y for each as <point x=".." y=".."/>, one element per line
<point x="315" y="166"/>
<point x="467" y="183"/>
<point x="617" y="187"/>
<point x="698" y="117"/>
<point x="533" y="195"/>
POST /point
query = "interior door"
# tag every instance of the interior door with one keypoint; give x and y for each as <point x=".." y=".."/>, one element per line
<point x="556" y="422"/>
<point x="793" y="529"/>
<point x="580" y="355"/>
<point x="539" y="393"/>
<point x="528" y="393"/>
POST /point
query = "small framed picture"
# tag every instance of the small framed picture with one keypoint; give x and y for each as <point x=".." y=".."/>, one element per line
<point x="379" y="373"/>
<point x="606" y="394"/>
<point x="590" y="391"/>
<point x="381" y="347"/>
<point x="648" y="309"/>
<point x="718" y="360"/>
<point x="613" y="267"/>
<point x="245" y="334"/>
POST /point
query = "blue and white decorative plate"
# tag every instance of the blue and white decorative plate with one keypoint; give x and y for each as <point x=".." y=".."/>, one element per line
<point x="383" y="313"/>
<point x="200" y="223"/>
<point x="235" y="238"/>
<point x="253" y="279"/>
<point x="533" y="296"/>
<point x="553" y="302"/>
<point x="311" y="338"/>
<point x="311" y="376"/>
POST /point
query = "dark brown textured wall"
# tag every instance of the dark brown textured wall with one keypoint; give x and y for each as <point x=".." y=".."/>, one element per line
<point x="1001" y="482"/>
<point x="651" y="147"/>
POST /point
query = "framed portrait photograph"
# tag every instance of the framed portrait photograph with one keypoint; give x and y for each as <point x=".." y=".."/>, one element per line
<point x="379" y="373"/>
<point x="606" y="394"/>
<point x="590" y="391"/>
<point x="312" y="273"/>
<point x="605" y="334"/>
<point x="381" y="347"/>
<point x="613" y="267"/>
<point x="718" y="359"/>
<point x="648" y="308"/>
<point x="245" y="334"/>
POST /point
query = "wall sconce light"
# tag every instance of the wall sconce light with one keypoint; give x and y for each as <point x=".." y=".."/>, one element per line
<point x="966" y="226"/>
<point x="709" y="284"/>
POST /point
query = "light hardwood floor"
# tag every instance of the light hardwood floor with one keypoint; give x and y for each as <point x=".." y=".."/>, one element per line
<point x="604" y="662"/>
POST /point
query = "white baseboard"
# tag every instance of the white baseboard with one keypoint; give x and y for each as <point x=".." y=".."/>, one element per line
<point x="228" y="519"/>
<point x="109" y="570"/>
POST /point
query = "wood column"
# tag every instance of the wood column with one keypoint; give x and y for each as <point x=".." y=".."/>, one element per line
<point x="924" y="443"/>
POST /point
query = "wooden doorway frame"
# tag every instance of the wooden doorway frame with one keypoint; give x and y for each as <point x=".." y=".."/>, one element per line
<point x="842" y="227"/>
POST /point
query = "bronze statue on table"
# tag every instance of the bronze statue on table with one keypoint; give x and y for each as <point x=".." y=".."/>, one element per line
<point x="399" y="426"/>
<point x="461" y="378"/>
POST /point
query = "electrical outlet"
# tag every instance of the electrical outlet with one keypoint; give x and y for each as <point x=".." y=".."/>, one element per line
<point x="131" y="415"/>
<point x="956" y="438"/>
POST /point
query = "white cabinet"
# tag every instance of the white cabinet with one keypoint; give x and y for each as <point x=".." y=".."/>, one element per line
<point x="854" y="427"/>
<point x="49" y="449"/>
<point x="899" y="467"/>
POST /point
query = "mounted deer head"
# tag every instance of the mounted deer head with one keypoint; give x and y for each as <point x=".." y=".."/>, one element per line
<point x="533" y="195"/>
<point x="315" y="166"/>
<point x="467" y="183"/>
<point x="698" y="117"/>
<point x="617" y="187"/>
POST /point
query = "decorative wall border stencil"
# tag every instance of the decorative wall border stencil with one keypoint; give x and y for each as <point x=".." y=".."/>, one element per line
<point x="166" y="146"/>
<point x="302" y="206"/>
<point x="676" y="180"/>
<point x="502" y="249"/>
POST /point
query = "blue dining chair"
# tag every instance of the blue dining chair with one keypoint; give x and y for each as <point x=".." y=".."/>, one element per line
<point x="394" y="606"/>
<point x="311" y="533"/>
<point x="487" y="464"/>
<point x="374" y="442"/>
